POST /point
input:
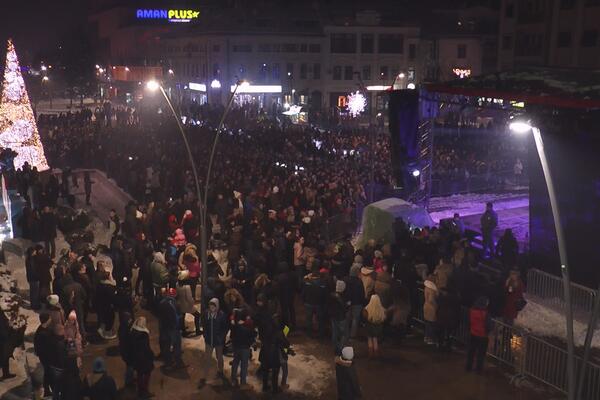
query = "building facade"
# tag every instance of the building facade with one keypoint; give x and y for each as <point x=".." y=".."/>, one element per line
<point x="552" y="33"/>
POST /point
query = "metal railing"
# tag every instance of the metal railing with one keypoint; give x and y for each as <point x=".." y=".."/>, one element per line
<point x="549" y="288"/>
<point x="496" y="181"/>
<point x="526" y="354"/>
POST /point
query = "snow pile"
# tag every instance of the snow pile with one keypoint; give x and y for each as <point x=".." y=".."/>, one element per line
<point x="473" y="204"/>
<point x="9" y="300"/>
<point x="546" y="322"/>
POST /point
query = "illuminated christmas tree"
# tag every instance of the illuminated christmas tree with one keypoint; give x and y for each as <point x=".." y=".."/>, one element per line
<point x="18" y="130"/>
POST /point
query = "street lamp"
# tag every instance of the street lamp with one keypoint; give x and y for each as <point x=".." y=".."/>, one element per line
<point x="522" y="127"/>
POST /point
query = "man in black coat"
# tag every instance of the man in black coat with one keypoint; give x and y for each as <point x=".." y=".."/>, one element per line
<point x="48" y="230"/>
<point x="285" y="290"/>
<point x="44" y="344"/>
<point x="348" y="387"/>
<point x="170" y="331"/>
<point x="6" y="348"/>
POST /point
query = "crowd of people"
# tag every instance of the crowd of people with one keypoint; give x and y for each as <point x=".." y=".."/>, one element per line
<point x="273" y="190"/>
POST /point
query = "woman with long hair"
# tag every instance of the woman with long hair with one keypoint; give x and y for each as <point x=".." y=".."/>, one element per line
<point x="374" y="315"/>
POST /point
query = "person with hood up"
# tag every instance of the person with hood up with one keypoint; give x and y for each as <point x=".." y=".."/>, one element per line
<point x="346" y="378"/>
<point x="374" y="315"/>
<point x="73" y="339"/>
<point x="215" y="326"/>
<point x="99" y="385"/>
<point x="160" y="273"/>
<point x="185" y="301"/>
<point x="243" y="336"/>
<point x="57" y="316"/>
<point x="143" y="357"/>
<point x="430" y="307"/>
<point x="367" y="276"/>
<point x="169" y="324"/>
<point x="480" y="325"/>
<point x="355" y="293"/>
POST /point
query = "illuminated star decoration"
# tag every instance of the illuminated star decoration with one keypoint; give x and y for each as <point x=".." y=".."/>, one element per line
<point x="18" y="130"/>
<point x="357" y="103"/>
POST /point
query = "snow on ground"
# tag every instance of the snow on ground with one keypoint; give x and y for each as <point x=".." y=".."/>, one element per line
<point x="474" y="203"/>
<point x="307" y="374"/>
<point x="547" y="322"/>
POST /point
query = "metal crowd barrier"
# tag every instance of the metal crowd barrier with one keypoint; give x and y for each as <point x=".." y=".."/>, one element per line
<point x="526" y="354"/>
<point x="550" y="288"/>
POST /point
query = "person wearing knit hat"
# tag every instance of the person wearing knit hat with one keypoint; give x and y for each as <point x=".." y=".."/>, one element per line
<point x="99" y="384"/>
<point x="338" y="311"/>
<point x="346" y="378"/>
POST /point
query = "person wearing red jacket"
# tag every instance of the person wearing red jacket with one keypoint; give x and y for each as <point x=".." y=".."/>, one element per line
<point x="480" y="325"/>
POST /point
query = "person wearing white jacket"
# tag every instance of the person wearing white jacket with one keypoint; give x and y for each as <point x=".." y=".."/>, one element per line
<point x="430" y="307"/>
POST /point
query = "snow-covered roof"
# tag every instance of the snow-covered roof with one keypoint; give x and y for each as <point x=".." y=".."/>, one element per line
<point x="558" y="87"/>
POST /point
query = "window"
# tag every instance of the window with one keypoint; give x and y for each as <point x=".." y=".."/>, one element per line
<point x="242" y="48"/>
<point x="506" y="42"/>
<point x="303" y="48"/>
<point x="264" y="47"/>
<point x="412" y="51"/>
<point x="366" y="73"/>
<point x="367" y="43"/>
<point x="589" y="38"/>
<point x="528" y="44"/>
<point x="343" y="43"/>
<point x="263" y="71"/>
<point x="383" y="73"/>
<point x="314" y="48"/>
<point x="337" y="73"/>
<point x="289" y="70"/>
<point x="289" y="48"/>
<point x="391" y="44"/>
<point x="317" y="71"/>
<point x="461" y="51"/>
<point x="564" y="39"/>
<point x="348" y="72"/>
<point x="275" y="71"/>
<point x="303" y="71"/>
<point x="509" y="11"/>
<point x="216" y="48"/>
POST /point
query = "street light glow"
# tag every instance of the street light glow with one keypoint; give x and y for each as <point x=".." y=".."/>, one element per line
<point x="401" y="75"/>
<point x="45" y="79"/>
<point x="416" y="173"/>
<point x="152" y="85"/>
<point x="170" y="71"/>
<point x="44" y="68"/>
<point x="411" y="86"/>
<point x="520" y="127"/>
<point x="215" y="84"/>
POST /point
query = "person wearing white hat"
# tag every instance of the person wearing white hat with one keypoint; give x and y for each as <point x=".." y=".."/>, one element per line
<point x="143" y="357"/>
<point x="57" y="315"/>
<point x="348" y="387"/>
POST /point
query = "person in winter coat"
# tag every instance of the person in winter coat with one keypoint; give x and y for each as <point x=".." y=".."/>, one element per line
<point x="355" y="294"/>
<point x="6" y="349"/>
<point x="480" y="325"/>
<point x="185" y="302"/>
<point x="383" y="286"/>
<point x="188" y="260"/>
<point x="160" y="273"/>
<point x="443" y="272"/>
<point x="243" y="335"/>
<point x="508" y="249"/>
<point x="430" y="307"/>
<point x="170" y="330"/>
<point x="45" y="343"/>
<point x="48" y="226"/>
<point x="106" y="293"/>
<point x="314" y="295"/>
<point x="215" y="325"/>
<point x="99" y="385"/>
<point x="73" y="298"/>
<point x="346" y="378"/>
<point x="514" y="300"/>
<point x="399" y="311"/>
<point x="243" y="278"/>
<point x="367" y="276"/>
<point x="42" y="263"/>
<point x="448" y="317"/>
<point x="143" y="357"/>
<point x="73" y="338"/>
<point x="125" y="345"/>
<point x="489" y="222"/>
<point x="338" y="312"/>
<point x="285" y="293"/>
<point x="273" y="343"/>
<point x="57" y="316"/>
<point x="374" y="315"/>
<point x="32" y="278"/>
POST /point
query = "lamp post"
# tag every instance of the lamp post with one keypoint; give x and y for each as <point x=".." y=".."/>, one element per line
<point x="154" y="86"/>
<point x="523" y="127"/>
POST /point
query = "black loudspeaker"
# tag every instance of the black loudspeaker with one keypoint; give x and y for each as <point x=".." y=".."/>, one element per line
<point x="404" y="126"/>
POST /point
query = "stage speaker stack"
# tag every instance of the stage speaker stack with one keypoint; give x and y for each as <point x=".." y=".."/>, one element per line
<point x="404" y="123"/>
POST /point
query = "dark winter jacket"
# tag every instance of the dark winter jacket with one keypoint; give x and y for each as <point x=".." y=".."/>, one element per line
<point x="215" y="328"/>
<point x="44" y="344"/>
<point x="243" y="334"/>
<point x="347" y="380"/>
<point x="314" y="291"/>
<point x="355" y="291"/>
<point x="337" y="307"/>
<point x="168" y="314"/>
<point x="48" y="225"/>
<point x="104" y="301"/>
<point x="448" y="312"/>
<point x="143" y="357"/>
<point x="99" y="387"/>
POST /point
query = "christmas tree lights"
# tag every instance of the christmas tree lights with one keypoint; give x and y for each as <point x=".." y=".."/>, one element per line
<point x="18" y="129"/>
<point x="357" y="103"/>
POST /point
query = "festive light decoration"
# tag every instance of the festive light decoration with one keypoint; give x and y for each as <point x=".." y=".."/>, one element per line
<point x="18" y="130"/>
<point x="357" y="103"/>
<point x="462" y="72"/>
